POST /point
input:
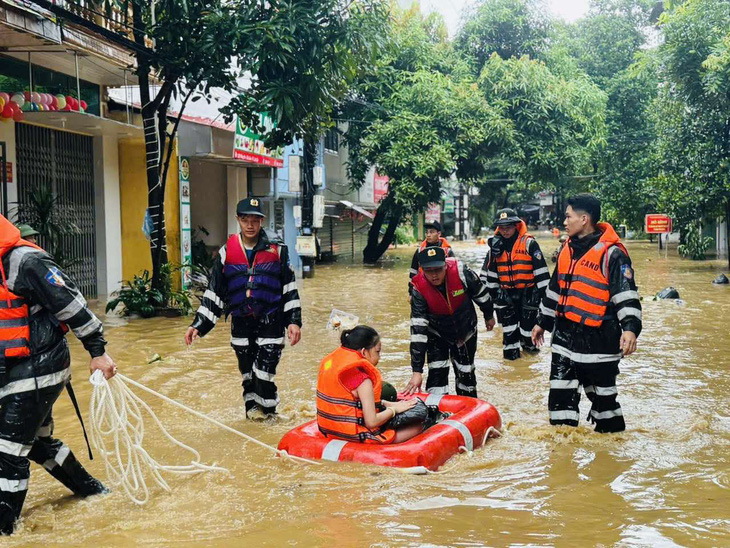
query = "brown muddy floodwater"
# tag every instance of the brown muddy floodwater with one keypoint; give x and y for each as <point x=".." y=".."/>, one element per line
<point x="663" y="482"/>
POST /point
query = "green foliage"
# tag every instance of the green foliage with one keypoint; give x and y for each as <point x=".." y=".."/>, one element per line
<point x="44" y="212"/>
<point x="139" y="297"/>
<point x="695" y="244"/>
<point x="404" y="235"/>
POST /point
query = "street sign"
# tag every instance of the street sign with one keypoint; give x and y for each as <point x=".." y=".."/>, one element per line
<point x="433" y="213"/>
<point x="657" y="223"/>
<point x="449" y="204"/>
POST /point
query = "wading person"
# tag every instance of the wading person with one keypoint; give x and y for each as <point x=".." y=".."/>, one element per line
<point x="516" y="274"/>
<point x="38" y="304"/>
<point x="444" y="323"/>
<point x="593" y="310"/>
<point x="433" y="238"/>
<point x="350" y="400"/>
<point x="253" y="282"/>
<point x="28" y="233"/>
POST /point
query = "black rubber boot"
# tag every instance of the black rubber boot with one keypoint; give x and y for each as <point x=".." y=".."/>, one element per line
<point x="77" y="479"/>
<point x="10" y="506"/>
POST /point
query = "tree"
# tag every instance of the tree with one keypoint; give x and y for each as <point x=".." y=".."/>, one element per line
<point x="297" y="55"/>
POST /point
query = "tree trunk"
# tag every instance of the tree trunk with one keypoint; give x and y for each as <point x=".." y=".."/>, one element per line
<point x="727" y="230"/>
<point x="376" y="247"/>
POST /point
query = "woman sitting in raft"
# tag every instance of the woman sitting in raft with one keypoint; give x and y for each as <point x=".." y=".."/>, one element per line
<point x="349" y="390"/>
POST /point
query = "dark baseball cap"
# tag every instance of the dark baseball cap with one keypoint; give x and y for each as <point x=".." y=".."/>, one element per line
<point x="507" y="216"/>
<point x="434" y="224"/>
<point x="249" y="206"/>
<point x="432" y="257"/>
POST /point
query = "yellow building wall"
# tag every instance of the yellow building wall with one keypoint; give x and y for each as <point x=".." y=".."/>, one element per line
<point x="133" y="196"/>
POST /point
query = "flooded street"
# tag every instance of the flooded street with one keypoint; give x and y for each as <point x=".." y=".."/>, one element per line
<point x="663" y="482"/>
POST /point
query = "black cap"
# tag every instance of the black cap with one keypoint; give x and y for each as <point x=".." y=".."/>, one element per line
<point x="249" y="206"/>
<point x="506" y="216"/>
<point x="434" y="224"/>
<point x="432" y="257"/>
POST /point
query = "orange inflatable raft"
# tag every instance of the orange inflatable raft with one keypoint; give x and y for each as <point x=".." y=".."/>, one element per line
<point x="471" y="422"/>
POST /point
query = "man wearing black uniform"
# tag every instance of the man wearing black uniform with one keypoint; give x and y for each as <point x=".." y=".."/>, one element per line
<point x="433" y="238"/>
<point x="38" y="304"/>
<point x="516" y="274"/>
<point x="444" y="323"/>
<point x="253" y="281"/>
<point x="593" y="309"/>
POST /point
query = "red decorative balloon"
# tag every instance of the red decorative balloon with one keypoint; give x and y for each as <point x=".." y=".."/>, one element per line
<point x="18" y="116"/>
<point x="26" y="94"/>
<point x="54" y="101"/>
<point x="83" y="105"/>
<point x="8" y="111"/>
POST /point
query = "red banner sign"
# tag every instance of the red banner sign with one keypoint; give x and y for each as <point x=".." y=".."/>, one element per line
<point x="380" y="187"/>
<point x="657" y="223"/>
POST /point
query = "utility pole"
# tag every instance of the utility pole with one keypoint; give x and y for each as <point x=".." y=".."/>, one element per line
<point x="308" y="161"/>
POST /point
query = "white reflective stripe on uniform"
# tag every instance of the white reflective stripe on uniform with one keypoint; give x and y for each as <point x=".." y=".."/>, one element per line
<point x="509" y="328"/>
<point x="60" y="457"/>
<point x="35" y="309"/>
<point x="205" y="312"/>
<point x="291" y="286"/>
<point x="239" y="341"/>
<point x="247" y="376"/>
<point x="263" y="375"/>
<point x="71" y="309"/>
<point x="45" y="431"/>
<point x="419" y="338"/>
<point x="527" y="334"/>
<point x="603" y="415"/>
<point x="88" y="328"/>
<point x="492" y="285"/>
<point x="585" y="358"/>
<point x="514" y="346"/>
<point x="13" y="485"/>
<point x="465" y="432"/>
<point x="564" y="415"/>
<point x="222" y="254"/>
<point x="538" y="271"/>
<point x="419" y="321"/>
<point x="545" y="311"/>
<point x="464" y="367"/>
<point x="261" y="401"/>
<point x="438" y="390"/>
<point x="601" y="390"/>
<point x="433" y="399"/>
<point x="213" y="297"/>
<point x="333" y="449"/>
<point x="413" y="272"/>
<point x="12" y="448"/>
<point x="296" y="303"/>
<point x="438" y="364"/>
<point x="542" y="283"/>
<point x="550" y="294"/>
<point x="625" y="296"/>
<point x="262" y="341"/>
<point x="465" y="388"/>
<point x="483" y="297"/>
<point x="491" y="274"/>
<point x="499" y="306"/>
<point x="628" y="312"/>
<point x="561" y="384"/>
<point x="16" y="258"/>
<point x="44" y="381"/>
<point x="460" y="269"/>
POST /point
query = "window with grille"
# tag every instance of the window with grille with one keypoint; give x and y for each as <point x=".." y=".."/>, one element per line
<point x="331" y="141"/>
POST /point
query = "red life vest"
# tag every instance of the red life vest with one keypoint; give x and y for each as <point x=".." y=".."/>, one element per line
<point x="14" y="313"/>
<point x="584" y="288"/>
<point x="252" y="289"/>
<point x="339" y="413"/>
<point x="455" y="291"/>
<point x="515" y="267"/>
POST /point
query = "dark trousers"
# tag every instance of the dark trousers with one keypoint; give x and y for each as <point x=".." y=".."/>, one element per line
<point x="585" y="357"/>
<point x="258" y="346"/>
<point x="517" y="314"/>
<point x="440" y="353"/>
<point x="26" y="429"/>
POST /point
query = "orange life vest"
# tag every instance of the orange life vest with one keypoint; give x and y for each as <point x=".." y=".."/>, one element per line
<point x="515" y="267"/>
<point x="14" y="313"/>
<point x="339" y="413"/>
<point x="455" y="291"/>
<point x="584" y="288"/>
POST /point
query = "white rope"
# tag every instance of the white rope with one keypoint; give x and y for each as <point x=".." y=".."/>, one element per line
<point x="117" y="434"/>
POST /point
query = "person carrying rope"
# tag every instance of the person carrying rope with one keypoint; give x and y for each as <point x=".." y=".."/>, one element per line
<point x="433" y="238"/>
<point x="444" y="323"/>
<point x="516" y="274"/>
<point x="592" y="307"/>
<point x="253" y="281"/>
<point x="38" y="305"/>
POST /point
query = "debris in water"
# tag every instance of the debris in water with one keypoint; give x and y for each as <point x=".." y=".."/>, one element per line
<point x="721" y="279"/>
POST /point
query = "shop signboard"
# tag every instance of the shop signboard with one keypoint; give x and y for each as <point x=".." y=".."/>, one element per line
<point x="433" y="213"/>
<point x="657" y="223"/>
<point x="185" y="223"/>
<point x="250" y="147"/>
<point x="380" y="187"/>
<point x="449" y="204"/>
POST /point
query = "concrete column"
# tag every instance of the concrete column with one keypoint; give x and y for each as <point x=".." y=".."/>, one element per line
<point x="108" y="215"/>
<point x="237" y="187"/>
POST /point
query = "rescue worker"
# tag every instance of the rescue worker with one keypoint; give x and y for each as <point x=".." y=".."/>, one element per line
<point x="433" y="238"/>
<point x="444" y="323"/>
<point x="350" y="403"/>
<point x="38" y="304"/>
<point x="252" y="281"/>
<point x="592" y="308"/>
<point x="516" y="274"/>
<point x="28" y="233"/>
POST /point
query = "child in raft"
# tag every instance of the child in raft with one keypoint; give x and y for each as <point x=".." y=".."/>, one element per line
<point x="350" y="390"/>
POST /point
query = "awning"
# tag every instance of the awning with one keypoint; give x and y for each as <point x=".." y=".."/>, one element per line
<point x="357" y="208"/>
